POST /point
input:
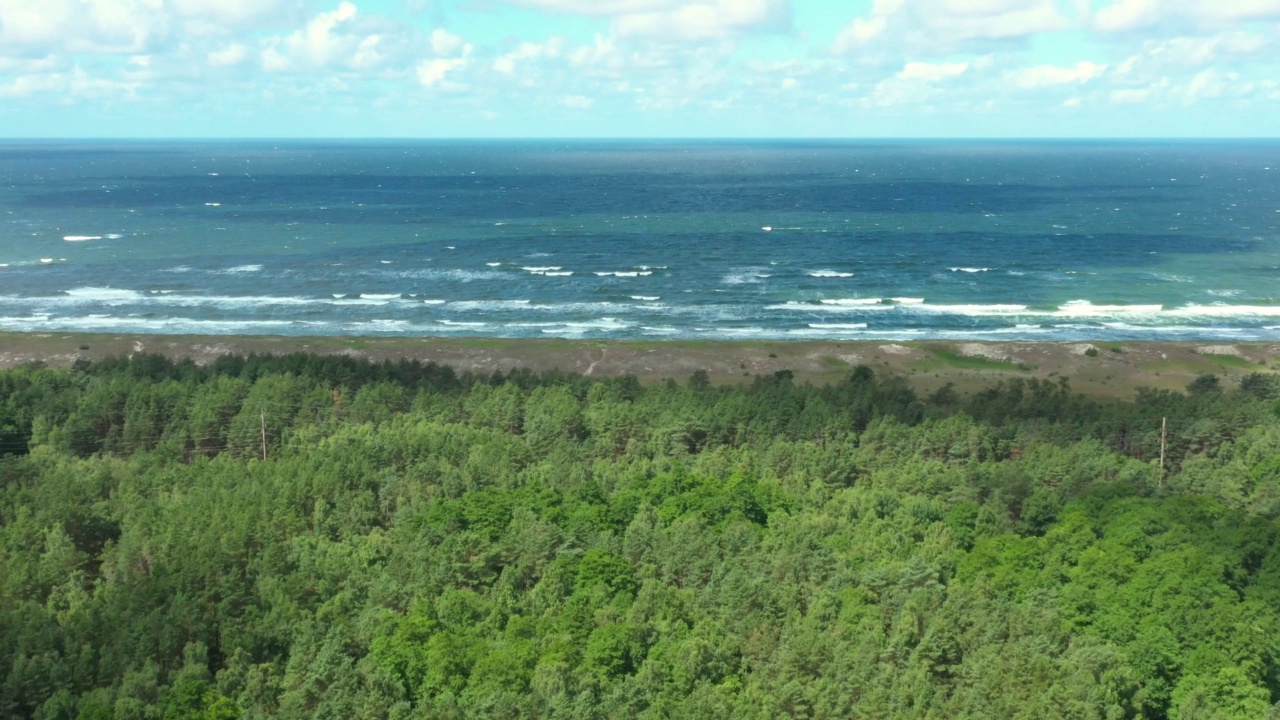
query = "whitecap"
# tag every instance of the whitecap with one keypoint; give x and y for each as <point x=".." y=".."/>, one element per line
<point x="434" y="302"/>
<point x="838" y="326"/>
<point x="113" y="236"/>
<point x="976" y="310"/>
<point x="560" y="273"/>
<point x="1084" y="308"/>
<point x="493" y="264"/>
<point x="212" y="204"/>
<point x="907" y="300"/>
<point x="104" y="294"/>
<point x="828" y="274"/>
<point x="1222" y="311"/>
<point x="742" y="277"/>
<point x="376" y="296"/>
<point x="645" y="298"/>
<point x="851" y="301"/>
<point x="81" y="238"/>
<point x="969" y="269"/>
<point x="539" y="269"/>
<point x="243" y="269"/>
<point x="458" y="323"/>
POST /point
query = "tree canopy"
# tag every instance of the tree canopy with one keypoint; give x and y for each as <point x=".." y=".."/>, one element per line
<point x="322" y="537"/>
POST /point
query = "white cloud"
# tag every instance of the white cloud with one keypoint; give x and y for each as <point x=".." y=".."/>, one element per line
<point x="710" y="20"/>
<point x="1045" y="75"/>
<point x="507" y="63"/>
<point x="432" y="72"/>
<point x="931" y="72"/>
<point x="76" y="84"/>
<point x="239" y="13"/>
<point x="340" y="38"/>
<point x="1126" y="15"/>
<point x="83" y="26"/>
<point x="1130" y="15"/>
<point x="232" y="54"/>
<point x="444" y="42"/>
<point x="917" y="81"/>
<point x="677" y="20"/>
<point x="942" y="26"/>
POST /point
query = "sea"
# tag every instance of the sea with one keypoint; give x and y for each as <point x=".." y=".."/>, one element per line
<point x="644" y="239"/>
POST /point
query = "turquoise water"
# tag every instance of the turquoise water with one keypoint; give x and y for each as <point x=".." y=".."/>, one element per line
<point x="622" y="239"/>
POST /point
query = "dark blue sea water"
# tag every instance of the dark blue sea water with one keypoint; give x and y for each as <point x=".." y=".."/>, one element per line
<point x="639" y="239"/>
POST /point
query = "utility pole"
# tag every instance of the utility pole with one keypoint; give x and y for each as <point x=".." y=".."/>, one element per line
<point x="262" y="422"/>
<point x="1164" y="428"/>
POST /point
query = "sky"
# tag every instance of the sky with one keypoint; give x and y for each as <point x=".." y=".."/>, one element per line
<point x="639" y="68"/>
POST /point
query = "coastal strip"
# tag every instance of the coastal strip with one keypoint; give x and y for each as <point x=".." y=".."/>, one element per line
<point x="1104" y="369"/>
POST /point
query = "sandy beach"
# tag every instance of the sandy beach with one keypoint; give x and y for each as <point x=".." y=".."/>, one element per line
<point x="1105" y="369"/>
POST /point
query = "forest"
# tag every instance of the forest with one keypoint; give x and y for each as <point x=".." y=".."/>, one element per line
<point x="300" y="536"/>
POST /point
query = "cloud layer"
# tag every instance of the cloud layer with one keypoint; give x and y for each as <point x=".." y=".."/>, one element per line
<point x="638" y="67"/>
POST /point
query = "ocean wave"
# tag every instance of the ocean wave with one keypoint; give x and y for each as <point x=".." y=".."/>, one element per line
<point x="969" y="269"/>
<point x="838" y="326"/>
<point x="540" y="268"/>
<point x="243" y="269"/>
<point x="81" y="238"/>
<point x="745" y="276"/>
<point x="646" y="298"/>
<point x="1224" y="311"/>
<point x="104" y="294"/>
<point x="171" y="325"/>
<point x="1084" y="308"/>
<point x="828" y="274"/>
<point x="624" y="273"/>
<point x="859" y="302"/>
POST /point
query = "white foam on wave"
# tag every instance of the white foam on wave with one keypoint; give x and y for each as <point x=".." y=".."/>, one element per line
<point x="972" y="309"/>
<point x="81" y="238"/>
<point x="907" y="300"/>
<point x="540" y="268"/>
<point x="377" y="296"/>
<point x="181" y="325"/>
<point x="493" y="264"/>
<point x="1225" y="311"/>
<point x="1084" y="308"/>
<point x="243" y="269"/>
<point x="969" y="269"/>
<point x="624" y="273"/>
<point x="836" y="306"/>
<point x="558" y="273"/>
<point x="860" y="302"/>
<point x="491" y="304"/>
<point x="828" y="274"/>
<point x="104" y="294"/>
<point x="838" y="326"/>
<point x="744" y="277"/>
<point x="646" y="298"/>
<point x="459" y="323"/>
<point x="434" y="302"/>
<point x="455" y="275"/>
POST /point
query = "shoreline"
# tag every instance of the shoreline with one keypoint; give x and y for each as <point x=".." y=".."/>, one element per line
<point x="1103" y="369"/>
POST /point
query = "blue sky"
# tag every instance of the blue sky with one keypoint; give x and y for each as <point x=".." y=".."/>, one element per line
<point x="632" y="68"/>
